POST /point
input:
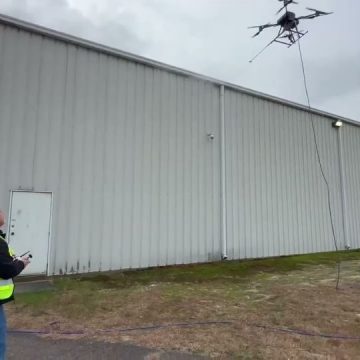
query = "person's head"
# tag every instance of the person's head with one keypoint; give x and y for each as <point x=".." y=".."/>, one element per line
<point x="2" y="218"/>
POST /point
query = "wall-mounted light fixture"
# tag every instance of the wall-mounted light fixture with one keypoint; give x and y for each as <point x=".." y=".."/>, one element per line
<point x="337" y="124"/>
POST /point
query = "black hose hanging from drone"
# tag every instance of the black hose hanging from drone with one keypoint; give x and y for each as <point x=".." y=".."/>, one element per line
<point x="320" y="164"/>
<point x="289" y="34"/>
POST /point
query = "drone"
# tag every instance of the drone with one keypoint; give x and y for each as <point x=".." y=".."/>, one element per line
<point x="288" y="23"/>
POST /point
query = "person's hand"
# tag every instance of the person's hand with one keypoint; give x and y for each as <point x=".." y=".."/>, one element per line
<point x="25" y="260"/>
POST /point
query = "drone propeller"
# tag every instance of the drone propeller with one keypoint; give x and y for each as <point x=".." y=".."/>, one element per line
<point x="318" y="12"/>
<point x="314" y="15"/>
<point x="261" y="28"/>
<point x="286" y="3"/>
<point x="258" y="33"/>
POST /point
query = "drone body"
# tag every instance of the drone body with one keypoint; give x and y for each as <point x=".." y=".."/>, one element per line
<point x="288" y="23"/>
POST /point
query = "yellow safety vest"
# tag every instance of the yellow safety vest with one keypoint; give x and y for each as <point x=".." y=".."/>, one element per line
<point x="6" y="286"/>
<point x="6" y="289"/>
<point x="12" y="252"/>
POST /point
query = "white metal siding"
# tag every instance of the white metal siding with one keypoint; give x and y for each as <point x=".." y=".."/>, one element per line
<point x="123" y="147"/>
<point x="276" y="198"/>
<point x="351" y="153"/>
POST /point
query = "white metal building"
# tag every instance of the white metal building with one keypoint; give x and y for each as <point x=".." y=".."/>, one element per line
<point x="112" y="161"/>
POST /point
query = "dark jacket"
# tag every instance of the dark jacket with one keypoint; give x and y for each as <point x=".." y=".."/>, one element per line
<point x="9" y="267"/>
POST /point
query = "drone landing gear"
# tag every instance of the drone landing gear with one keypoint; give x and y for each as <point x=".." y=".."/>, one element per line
<point x="291" y="38"/>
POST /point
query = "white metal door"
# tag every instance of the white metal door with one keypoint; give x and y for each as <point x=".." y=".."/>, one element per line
<point x="29" y="228"/>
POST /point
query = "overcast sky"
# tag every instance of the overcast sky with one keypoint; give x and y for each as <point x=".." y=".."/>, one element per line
<point x="211" y="37"/>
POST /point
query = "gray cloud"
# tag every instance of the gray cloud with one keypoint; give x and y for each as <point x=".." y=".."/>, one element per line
<point x="345" y="71"/>
<point x="211" y="37"/>
<point x="59" y="15"/>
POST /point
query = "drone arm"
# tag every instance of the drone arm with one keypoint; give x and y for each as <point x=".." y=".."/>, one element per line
<point x="272" y="25"/>
<point x="306" y="17"/>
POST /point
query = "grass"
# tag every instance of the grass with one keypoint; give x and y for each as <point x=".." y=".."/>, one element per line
<point x="218" y="271"/>
<point x="296" y="291"/>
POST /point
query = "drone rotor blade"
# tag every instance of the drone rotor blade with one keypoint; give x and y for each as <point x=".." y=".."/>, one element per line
<point x="319" y="11"/>
<point x="261" y="28"/>
<point x="316" y="14"/>
<point x="280" y="10"/>
<point x="286" y="3"/>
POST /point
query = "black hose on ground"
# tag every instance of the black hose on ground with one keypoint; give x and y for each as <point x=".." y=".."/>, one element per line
<point x="288" y="331"/>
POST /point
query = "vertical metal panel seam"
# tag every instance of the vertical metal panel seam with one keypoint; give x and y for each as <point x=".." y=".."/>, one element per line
<point x="107" y="248"/>
<point x="63" y="130"/>
<point x="71" y="253"/>
<point x="235" y="162"/>
<point x="223" y="172"/>
<point x="37" y="112"/>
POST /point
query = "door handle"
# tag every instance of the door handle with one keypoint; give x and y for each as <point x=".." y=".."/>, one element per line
<point x="12" y="233"/>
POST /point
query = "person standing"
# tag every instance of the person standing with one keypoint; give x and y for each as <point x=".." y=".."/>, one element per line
<point x="9" y="268"/>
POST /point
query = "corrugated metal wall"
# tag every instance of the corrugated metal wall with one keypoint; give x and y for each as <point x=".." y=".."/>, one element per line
<point x="124" y="148"/>
<point x="351" y="155"/>
<point x="276" y="198"/>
